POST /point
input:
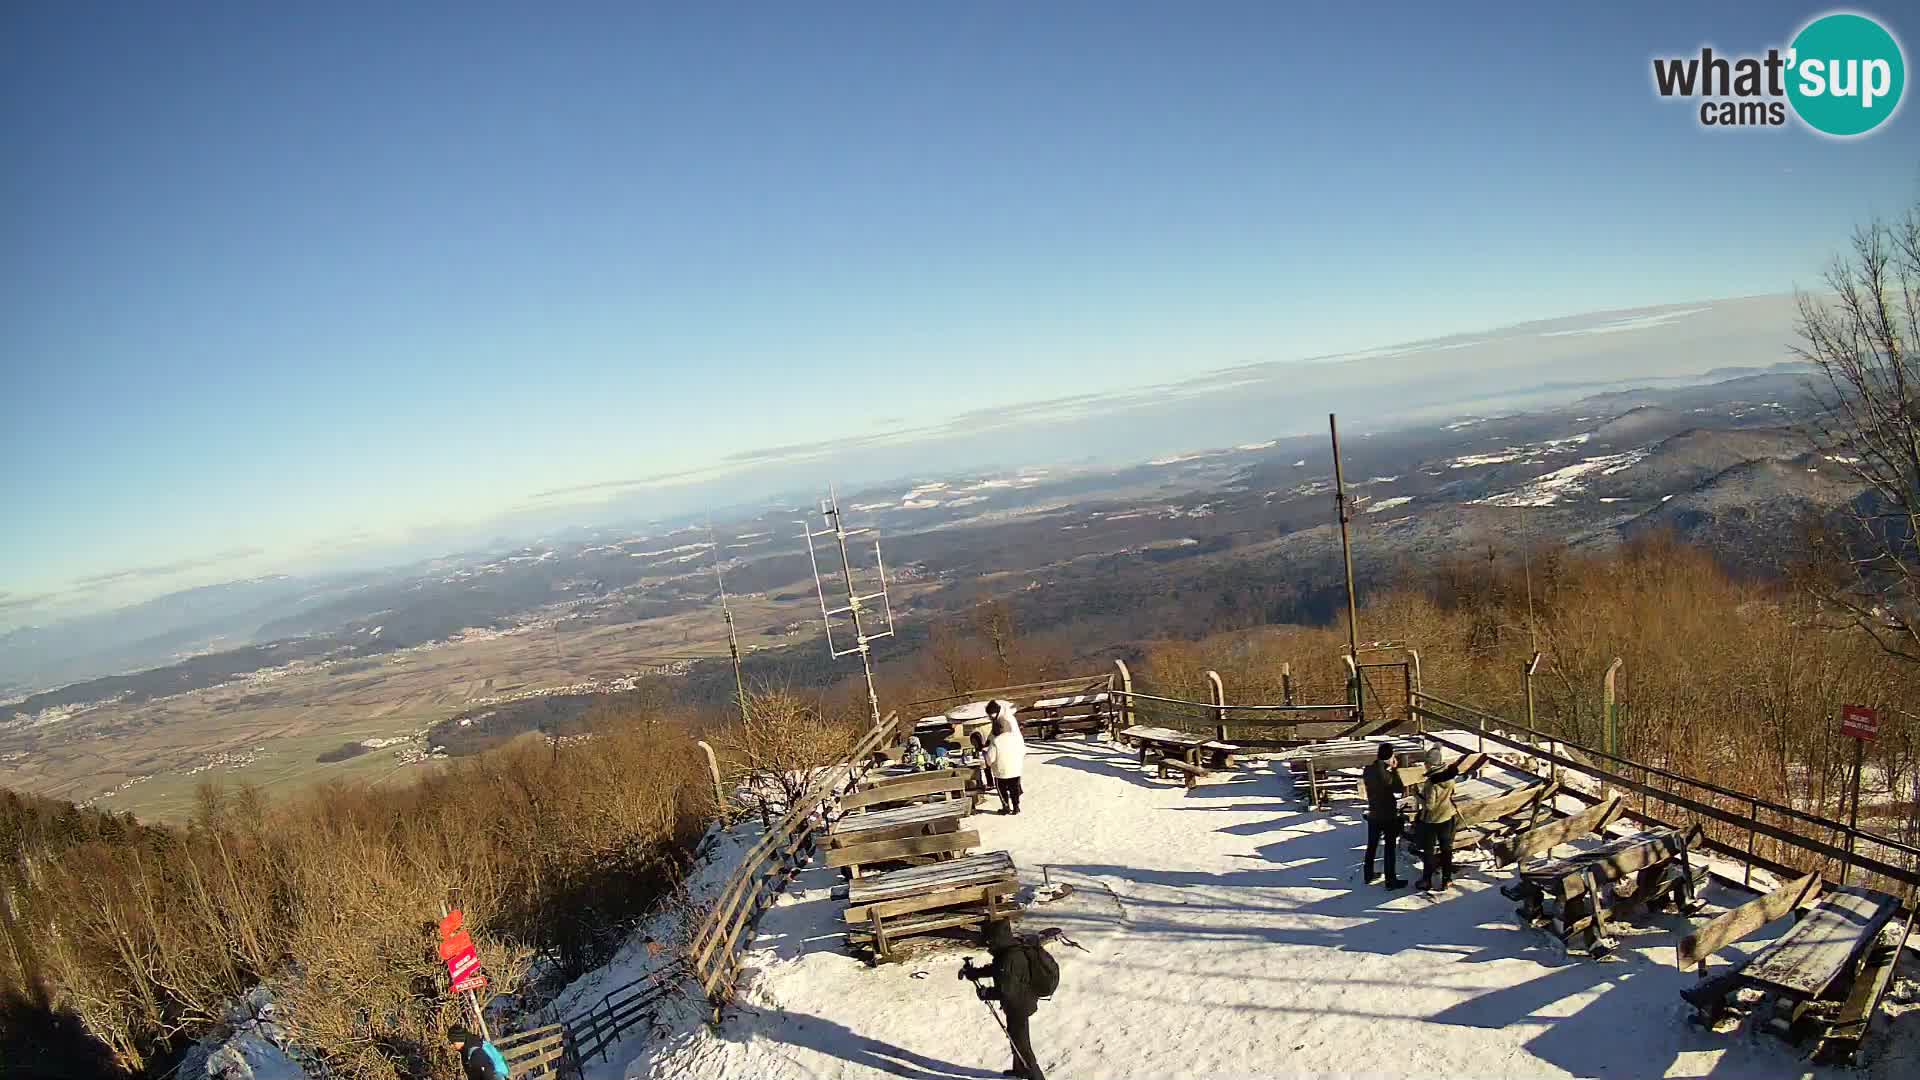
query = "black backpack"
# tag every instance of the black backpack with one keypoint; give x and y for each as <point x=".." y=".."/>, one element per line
<point x="1042" y="971"/>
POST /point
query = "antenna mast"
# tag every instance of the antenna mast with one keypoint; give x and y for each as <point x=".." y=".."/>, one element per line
<point x="836" y="527"/>
<point x="1345" y="513"/>
<point x="733" y="639"/>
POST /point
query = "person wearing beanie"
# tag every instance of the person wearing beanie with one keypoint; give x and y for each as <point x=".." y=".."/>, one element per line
<point x="480" y="1058"/>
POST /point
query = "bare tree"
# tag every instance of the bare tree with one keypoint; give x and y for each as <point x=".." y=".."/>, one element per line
<point x="1862" y="341"/>
<point x="783" y="746"/>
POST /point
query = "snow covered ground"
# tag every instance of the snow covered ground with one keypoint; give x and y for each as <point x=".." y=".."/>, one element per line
<point x="1225" y="933"/>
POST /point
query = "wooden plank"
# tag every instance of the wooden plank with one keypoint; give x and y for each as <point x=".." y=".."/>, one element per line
<point x="907" y="778"/>
<point x="887" y="850"/>
<point x="1492" y="807"/>
<point x="981" y="868"/>
<point x="895" y="832"/>
<point x="944" y="898"/>
<point x="895" y="793"/>
<point x="1851" y="1022"/>
<point x="922" y="813"/>
<point x="1547" y="837"/>
<point x="899" y="927"/>
<point x="1731" y="926"/>
<point x="1806" y="959"/>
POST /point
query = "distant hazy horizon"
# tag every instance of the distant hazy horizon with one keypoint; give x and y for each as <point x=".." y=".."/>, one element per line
<point x="289" y="291"/>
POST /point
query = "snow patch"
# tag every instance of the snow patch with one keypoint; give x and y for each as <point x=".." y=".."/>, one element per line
<point x="1388" y="504"/>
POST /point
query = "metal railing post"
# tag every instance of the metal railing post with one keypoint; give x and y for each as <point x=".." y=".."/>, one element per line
<point x="1753" y="834"/>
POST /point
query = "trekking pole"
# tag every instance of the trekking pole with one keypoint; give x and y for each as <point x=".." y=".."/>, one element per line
<point x="1018" y="1056"/>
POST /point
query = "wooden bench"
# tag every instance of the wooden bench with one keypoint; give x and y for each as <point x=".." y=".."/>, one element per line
<point x="926" y="847"/>
<point x="884" y="908"/>
<point x="1823" y="978"/>
<point x="1189" y="772"/>
<point x="1575" y="897"/>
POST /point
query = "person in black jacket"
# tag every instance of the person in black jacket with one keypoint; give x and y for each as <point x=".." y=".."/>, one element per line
<point x="1384" y="789"/>
<point x="1013" y="988"/>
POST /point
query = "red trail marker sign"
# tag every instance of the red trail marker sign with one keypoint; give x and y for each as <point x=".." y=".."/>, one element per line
<point x="1860" y="722"/>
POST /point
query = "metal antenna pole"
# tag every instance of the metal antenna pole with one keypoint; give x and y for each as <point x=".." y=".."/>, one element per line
<point x="853" y="606"/>
<point x="1345" y="513"/>
<point x="830" y="509"/>
<point x="733" y="639"/>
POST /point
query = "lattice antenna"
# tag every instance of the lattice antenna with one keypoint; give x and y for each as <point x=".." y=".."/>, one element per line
<point x="856" y="601"/>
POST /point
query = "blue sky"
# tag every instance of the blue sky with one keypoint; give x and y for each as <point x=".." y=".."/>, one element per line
<point x="279" y="283"/>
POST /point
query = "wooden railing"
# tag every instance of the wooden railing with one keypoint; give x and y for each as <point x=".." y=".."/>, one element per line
<point x="598" y="1029"/>
<point x="713" y="955"/>
<point x="1799" y="843"/>
<point x="1022" y="696"/>
<point x="542" y="1052"/>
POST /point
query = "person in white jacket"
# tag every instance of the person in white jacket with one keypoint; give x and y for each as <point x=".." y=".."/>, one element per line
<point x="1007" y="757"/>
<point x="1003" y="710"/>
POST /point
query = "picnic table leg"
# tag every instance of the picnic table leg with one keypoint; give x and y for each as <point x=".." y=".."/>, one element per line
<point x="881" y="953"/>
<point x="1597" y="929"/>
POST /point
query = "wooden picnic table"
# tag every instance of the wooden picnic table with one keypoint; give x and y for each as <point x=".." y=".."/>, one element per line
<point x="1185" y="745"/>
<point x="965" y="892"/>
<point x="1576" y="896"/>
<point x="1315" y="763"/>
<point x="1052" y="715"/>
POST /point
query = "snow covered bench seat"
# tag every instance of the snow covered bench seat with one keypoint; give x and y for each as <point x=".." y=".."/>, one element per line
<point x="902" y="821"/>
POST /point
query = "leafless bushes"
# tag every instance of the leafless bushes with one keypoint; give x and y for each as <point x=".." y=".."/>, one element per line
<point x="331" y="897"/>
<point x="1734" y="682"/>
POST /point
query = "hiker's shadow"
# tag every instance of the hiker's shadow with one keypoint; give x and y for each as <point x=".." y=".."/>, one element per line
<point x="837" y="1041"/>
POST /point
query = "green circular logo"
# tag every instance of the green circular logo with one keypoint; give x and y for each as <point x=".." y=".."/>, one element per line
<point x="1845" y="74"/>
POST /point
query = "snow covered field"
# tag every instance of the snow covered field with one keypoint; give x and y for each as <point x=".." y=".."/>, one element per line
<point x="1226" y="933"/>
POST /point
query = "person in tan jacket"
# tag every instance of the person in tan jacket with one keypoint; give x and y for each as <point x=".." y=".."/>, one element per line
<point x="1438" y="817"/>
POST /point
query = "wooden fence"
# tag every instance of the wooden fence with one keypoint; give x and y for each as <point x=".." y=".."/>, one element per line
<point x="1735" y="822"/>
<point x="538" y="1053"/>
<point x="713" y="955"/>
<point x="595" y="1031"/>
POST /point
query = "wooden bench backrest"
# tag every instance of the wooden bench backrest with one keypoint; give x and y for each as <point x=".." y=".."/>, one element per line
<point x="1493" y="807"/>
<point x="931" y="901"/>
<point x="908" y="778"/>
<point x="1731" y="926"/>
<point x="1547" y="837"/>
<point x="916" y="789"/>
<point x="886" y="850"/>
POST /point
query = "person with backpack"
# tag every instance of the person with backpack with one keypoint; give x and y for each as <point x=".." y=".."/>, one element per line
<point x="1384" y="789"/>
<point x="1023" y="973"/>
<point x="1007" y="757"/>
<point x="480" y="1058"/>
